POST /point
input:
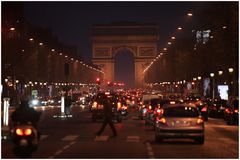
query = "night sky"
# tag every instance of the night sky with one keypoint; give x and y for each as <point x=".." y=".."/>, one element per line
<point x="71" y="21"/>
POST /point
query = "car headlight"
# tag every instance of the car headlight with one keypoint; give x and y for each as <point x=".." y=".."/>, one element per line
<point x="35" y="102"/>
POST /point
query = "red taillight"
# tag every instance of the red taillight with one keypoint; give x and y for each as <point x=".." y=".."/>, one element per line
<point x="162" y="120"/>
<point x="204" y="109"/>
<point x="28" y="132"/>
<point x="236" y="110"/>
<point x="118" y="105"/>
<point x="159" y="111"/>
<point x="200" y="121"/>
<point x="125" y="107"/>
<point x="227" y="110"/>
<point x="19" y="132"/>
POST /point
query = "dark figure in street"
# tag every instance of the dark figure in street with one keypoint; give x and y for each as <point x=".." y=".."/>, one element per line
<point x="107" y="109"/>
<point x="24" y="114"/>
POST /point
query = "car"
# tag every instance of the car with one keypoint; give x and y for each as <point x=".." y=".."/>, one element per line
<point x="142" y="107"/>
<point x="217" y="108"/>
<point x="232" y="112"/>
<point x="97" y="106"/>
<point x="180" y="121"/>
<point x="151" y="113"/>
<point x="203" y="108"/>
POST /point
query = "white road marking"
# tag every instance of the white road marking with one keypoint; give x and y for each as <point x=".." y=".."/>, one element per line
<point x="67" y="146"/>
<point x="133" y="138"/>
<point x="58" y="152"/>
<point x="150" y="151"/>
<point x="43" y="137"/>
<point x="72" y="143"/>
<point x="101" y="138"/>
<point x="64" y="148"/>
<point x="70" y="138"/>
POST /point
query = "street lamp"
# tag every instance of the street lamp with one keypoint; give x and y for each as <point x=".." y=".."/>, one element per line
<point x="220" y="72"/>
<point x="230" y="70"/>
<point x="212" y="75"/>
<point x="179" y="28"/>
<point x="190" y="14"/>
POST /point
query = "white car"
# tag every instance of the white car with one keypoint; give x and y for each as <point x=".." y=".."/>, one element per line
<point x="180" y="121"/>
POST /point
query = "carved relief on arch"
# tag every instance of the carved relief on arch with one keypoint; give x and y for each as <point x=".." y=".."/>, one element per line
<point x="132" y="49"/>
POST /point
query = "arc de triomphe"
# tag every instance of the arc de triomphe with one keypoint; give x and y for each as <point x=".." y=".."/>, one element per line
<point x="139" y="39"/>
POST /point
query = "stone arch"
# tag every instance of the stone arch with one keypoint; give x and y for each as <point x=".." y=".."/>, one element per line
<point x="131" y="49"/>
<point x="139" y="39"/>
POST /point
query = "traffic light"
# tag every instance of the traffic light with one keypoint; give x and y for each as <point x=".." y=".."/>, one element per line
<point x="98" y="81"/>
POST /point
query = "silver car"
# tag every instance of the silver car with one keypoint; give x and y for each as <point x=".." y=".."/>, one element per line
<point x="180" y="121"/>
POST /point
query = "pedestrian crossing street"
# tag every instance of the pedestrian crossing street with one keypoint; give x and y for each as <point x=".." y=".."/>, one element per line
<point x="102" y="138"/>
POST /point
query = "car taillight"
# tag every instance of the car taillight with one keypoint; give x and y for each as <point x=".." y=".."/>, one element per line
<point x="125" y="107"/>
<point x="204" y="109"/>
<point x="19" y="132"/>
<point x="94" y="105"/>
<point x="162" y="120"/>
<point x="28" y="132"/>
<point x="236" y="110"/>
<point x="118" y="105"/>
<point x="227" y="110"/>
<point x="172" y="102"/>
<point x="200" y="121"/>
<point x="159" y="111"/>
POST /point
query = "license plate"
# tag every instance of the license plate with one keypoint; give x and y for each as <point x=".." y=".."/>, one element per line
<point x="23" y="142"/>
<point x="100" y="106"/>
<point x="180" y="123"/>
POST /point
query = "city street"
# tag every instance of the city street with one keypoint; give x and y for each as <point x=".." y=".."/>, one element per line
<point x="74" y="137"/>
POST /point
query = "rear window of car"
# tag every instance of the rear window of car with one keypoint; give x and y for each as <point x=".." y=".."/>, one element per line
<point x="181" y="111"/>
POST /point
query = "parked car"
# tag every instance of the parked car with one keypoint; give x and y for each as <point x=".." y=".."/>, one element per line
<point x="180" y="121"/>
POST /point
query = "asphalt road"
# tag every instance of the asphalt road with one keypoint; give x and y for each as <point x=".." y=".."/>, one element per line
<point x="74" y="137"/>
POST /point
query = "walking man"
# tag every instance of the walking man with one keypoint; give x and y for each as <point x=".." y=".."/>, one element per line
<point x="107" y="109"/>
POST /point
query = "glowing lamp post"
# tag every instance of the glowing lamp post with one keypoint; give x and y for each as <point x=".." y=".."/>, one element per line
<point x="213" y="93"/>
<point x="62" y="106"/>
<point x="5" y="111"/>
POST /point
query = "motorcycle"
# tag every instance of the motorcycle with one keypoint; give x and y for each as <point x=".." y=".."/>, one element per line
<point x="25" y="138"/>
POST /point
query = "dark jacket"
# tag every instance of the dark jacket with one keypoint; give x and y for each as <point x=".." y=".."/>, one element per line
<point x="25" y="114"/>
<point x="107" y="109"/>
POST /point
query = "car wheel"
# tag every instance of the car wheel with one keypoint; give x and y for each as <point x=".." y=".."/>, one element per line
<point x="200" y="140"/>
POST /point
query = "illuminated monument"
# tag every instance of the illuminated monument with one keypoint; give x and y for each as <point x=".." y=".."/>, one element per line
<point x="139" y="39"/>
